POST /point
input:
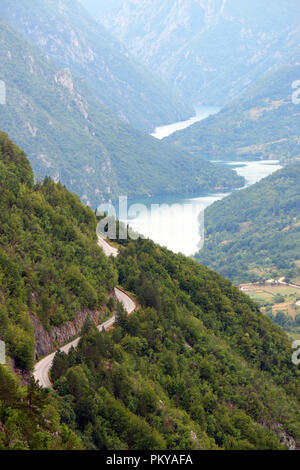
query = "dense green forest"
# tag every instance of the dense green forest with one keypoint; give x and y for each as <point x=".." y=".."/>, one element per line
<point x="50" y="264"/>
<point x="197" y="366"/>
<point x="71" y="136"/>
<point x="254" y="234"/>
<point x="262" y="123"/>
<point x="30" y="418"/>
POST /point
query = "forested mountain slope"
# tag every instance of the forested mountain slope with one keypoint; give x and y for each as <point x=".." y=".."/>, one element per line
<point x="196" y="367"/>
<point x="254" y="234"/>
<point x="262" y="123"/>
<point x="69" y="135"/>
<point x="72" y="39"/>
<point x="30" y="418"/>
<point x="50" y="265"/>
<point x="211" y="50"/>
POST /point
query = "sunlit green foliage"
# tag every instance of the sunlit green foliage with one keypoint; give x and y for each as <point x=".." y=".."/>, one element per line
<point x="254" y="234"/>
<point x="50" y="264"/>
<point x="197" y="366"/>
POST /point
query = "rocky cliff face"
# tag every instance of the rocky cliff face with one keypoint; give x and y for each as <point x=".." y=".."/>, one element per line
<point x="210" y="49"/>
<point x="46" y="342"/>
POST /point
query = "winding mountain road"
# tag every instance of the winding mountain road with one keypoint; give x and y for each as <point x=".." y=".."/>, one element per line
<point x="108" y="249"/>
<point x="42" y="368"/>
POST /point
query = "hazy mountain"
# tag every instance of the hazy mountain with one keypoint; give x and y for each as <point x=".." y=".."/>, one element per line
<point x="211" y="50"/>
<point x="73" y="39"/>
<point x="69" y="135"/>
<point x="254" y="234"/>
<point x="262" y="123"/>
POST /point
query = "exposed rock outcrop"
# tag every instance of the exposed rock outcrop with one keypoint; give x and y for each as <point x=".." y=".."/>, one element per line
<point x="286" y="440"/>
<point x="59" y="335"/>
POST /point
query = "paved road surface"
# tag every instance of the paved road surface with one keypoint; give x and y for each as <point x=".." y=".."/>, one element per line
<point x="126" y="301"/>
<point x="108" y="249"/>
<point x="42" y="368"/>
<point x="281" y="281"/>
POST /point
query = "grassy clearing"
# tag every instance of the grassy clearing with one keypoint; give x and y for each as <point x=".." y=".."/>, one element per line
<point x="280" y="298"/>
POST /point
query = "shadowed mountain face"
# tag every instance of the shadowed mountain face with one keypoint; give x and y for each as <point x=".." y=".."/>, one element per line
<point x="262" y="123"/>
<point x="71" y="38"/>
<point x="49" y="261"/>
<point x="211" y="50"/>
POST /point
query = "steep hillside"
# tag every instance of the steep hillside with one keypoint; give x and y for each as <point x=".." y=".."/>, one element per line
<point x="262" y="123"/>
<point x="50" y="266"/>
<point x="69" y="135"/>
<point x="30" y="418"/>
<point x="196" y="367"/>
<point x="254" y="234"/>
<point x="211" y="50"/>
<point x="72" y="39"/>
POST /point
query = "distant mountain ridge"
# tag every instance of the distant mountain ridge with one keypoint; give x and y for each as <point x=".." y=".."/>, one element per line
<point x="210" y="50"/>
<point x="71" y="38"/>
